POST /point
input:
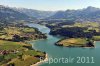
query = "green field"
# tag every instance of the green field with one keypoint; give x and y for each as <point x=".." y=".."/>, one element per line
<point x="96" y="38"/>
<point x="23" y="54"/>
<point x="20" y="52"/>
<point x="73" y="42"/>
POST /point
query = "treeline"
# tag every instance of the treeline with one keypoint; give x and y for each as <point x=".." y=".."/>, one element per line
<point x="74" y="32"/>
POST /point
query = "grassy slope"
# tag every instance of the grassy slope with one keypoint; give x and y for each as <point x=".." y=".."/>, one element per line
<point x="24" y="55"/>
<point x="7" y="33"/>
<point x="73" y="42"/>
<point x="96" y="38"/>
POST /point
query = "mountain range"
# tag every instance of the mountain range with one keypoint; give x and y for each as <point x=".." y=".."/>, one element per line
<point x="8" y="14"/>
<point x="90" y="14"/>
<point x="35" y="13"/>
<point x="15" y="14"/>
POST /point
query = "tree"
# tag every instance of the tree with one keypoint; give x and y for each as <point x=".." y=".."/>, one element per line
<point x="16" y="38"/>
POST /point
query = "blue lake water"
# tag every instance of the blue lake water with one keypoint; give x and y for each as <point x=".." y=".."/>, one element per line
<point x="53" y="51"/>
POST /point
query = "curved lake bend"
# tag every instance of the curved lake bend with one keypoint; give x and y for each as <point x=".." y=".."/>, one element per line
<point x="53" y="51"/>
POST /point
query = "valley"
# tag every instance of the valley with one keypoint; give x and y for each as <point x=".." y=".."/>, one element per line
<point x="26" y="35"/>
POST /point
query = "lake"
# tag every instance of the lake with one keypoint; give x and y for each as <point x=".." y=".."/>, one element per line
<point x="80" y="56"/>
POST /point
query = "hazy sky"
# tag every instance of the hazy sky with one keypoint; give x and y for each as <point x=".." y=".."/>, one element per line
<point x="51" y="5"/>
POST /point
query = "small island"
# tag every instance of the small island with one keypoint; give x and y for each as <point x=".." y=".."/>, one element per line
<point x="15" y="49"/>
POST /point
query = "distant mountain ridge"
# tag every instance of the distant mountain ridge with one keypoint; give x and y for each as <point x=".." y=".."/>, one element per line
<point x="8" y="14"/>
<point x="87" y="14"/>
<point x="90" y="14"/>
<point x="35" y="13"/>
<point x="14" y="14"/>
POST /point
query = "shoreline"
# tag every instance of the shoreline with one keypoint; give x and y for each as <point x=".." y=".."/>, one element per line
<point x="40" y="62"/>
<point x="46" y="55"/>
